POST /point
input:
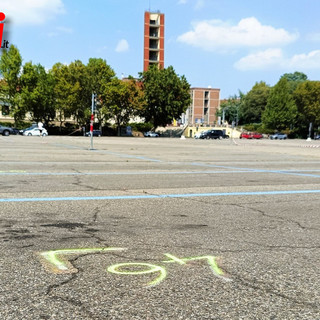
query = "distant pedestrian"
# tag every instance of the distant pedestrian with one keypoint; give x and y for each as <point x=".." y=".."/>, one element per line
<point x="40" y="127"/>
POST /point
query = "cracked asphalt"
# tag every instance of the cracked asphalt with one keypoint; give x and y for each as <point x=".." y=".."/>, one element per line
<point x="159" y="228"/>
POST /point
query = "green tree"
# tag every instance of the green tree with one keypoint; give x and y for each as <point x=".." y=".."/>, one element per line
<point x="10" y="66"/>
<point x="72" y="91"/>
<point x="123" y="100"/>
<point x="75" y="84"/>
<point x="254" y="103"/>
<point x="281" y="111"/>
<point x="63" y="90"/>
<point x="230" y="108"/>
<point x="80" y="92"/>
<point x="294" y="79"/>
<point x="307" y="98"/>
<point x="99" y="75"/>
<point x="37" y="93"/>
<point x="167" y="95"/>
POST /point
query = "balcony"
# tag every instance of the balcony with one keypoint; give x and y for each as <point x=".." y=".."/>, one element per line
<point x="154" y="32"/>
<point x="154" y="45"/>
<point x="153" y="56"/>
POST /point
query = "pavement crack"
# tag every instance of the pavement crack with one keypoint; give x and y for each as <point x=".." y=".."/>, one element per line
<point x="283" y="219"/>
<point x="78" y="182"/>
<point x="95" y="214"/>
<point x="94" y="236"/>
<point x="273" y="247"/>
<point x="58" y="285"/>
<point x="72" y="301"/>
<point x="267" y="288"/>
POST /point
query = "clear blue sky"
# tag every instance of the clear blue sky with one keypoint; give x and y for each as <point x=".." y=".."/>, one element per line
<point x="226" y="44"/>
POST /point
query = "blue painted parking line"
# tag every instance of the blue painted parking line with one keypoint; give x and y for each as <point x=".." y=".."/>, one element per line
<point x="163" y="196"/>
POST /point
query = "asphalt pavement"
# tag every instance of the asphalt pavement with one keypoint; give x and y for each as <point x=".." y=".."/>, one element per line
<point x="159" y="228"/>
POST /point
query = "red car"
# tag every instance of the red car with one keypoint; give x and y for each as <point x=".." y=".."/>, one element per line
<point x="245" y="135"/>
<point x="257" y="135"/>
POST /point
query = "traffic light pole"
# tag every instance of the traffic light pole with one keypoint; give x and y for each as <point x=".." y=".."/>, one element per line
<point x="91" y="121"/>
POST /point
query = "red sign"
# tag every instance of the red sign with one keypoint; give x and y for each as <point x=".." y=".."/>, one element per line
<point x="91" y="124"/>
<point x="5" y="42"/>
<point x="2" y="17"/>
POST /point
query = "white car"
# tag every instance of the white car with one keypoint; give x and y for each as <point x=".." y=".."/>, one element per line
<point x="198" y="135"/>
<point x="35" y="132"/>
<point x="151" y="134"/>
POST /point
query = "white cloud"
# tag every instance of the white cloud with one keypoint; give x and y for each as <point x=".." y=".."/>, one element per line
<point x="182" y="1"/>
<point x="122" y="46"/>
<point x="275" y="59"/>
<point x="262" y="60"/>
<point x="303" y="61"/>
<point x="216" y="35"/>
<point x="31" y="11"/>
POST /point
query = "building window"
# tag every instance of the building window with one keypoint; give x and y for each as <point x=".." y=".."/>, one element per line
<point x="154" y="32"/>
<point x="153" y="44"/>
<point x="153" y="56"/>
<point x="206" y="102"/>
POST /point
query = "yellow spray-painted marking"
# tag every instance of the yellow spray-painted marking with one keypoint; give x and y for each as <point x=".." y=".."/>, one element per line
<point x="55" y="261"/>
<point x="210" y="259"/>
<point x="116" y="268"/>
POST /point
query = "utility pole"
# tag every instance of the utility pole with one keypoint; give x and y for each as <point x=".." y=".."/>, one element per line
<point x="92" y="119"/>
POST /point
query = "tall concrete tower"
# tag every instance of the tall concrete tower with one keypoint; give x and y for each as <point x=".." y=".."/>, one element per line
<point x="153" y="39"/>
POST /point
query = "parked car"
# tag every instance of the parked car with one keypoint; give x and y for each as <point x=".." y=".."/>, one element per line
<point x="15" y="131"/>
<point x="317" y="137"/>
<point x="29" y="128"/>
<point x="246" y="135"/>
<point x="214" y="134"/>
<point x="35" y="132"/>
<point x="151" y="134"/>
<point x="95" y="133"/>
<point x="278" y="136"/>
<point x="6" y="131"/>
<point x="199" y="134"/>
<point x="257" y="135"/>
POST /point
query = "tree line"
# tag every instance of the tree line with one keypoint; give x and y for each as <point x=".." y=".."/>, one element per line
<point x="158" y="97"/>
<point x="64" y="92"/>
<point x="291" y="106"/>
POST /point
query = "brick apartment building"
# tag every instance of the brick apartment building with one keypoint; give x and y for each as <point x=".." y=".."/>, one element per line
<point x="203" y="109"/>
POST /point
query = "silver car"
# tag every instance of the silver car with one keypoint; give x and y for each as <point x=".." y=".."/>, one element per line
<point x="278" y="136"/>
